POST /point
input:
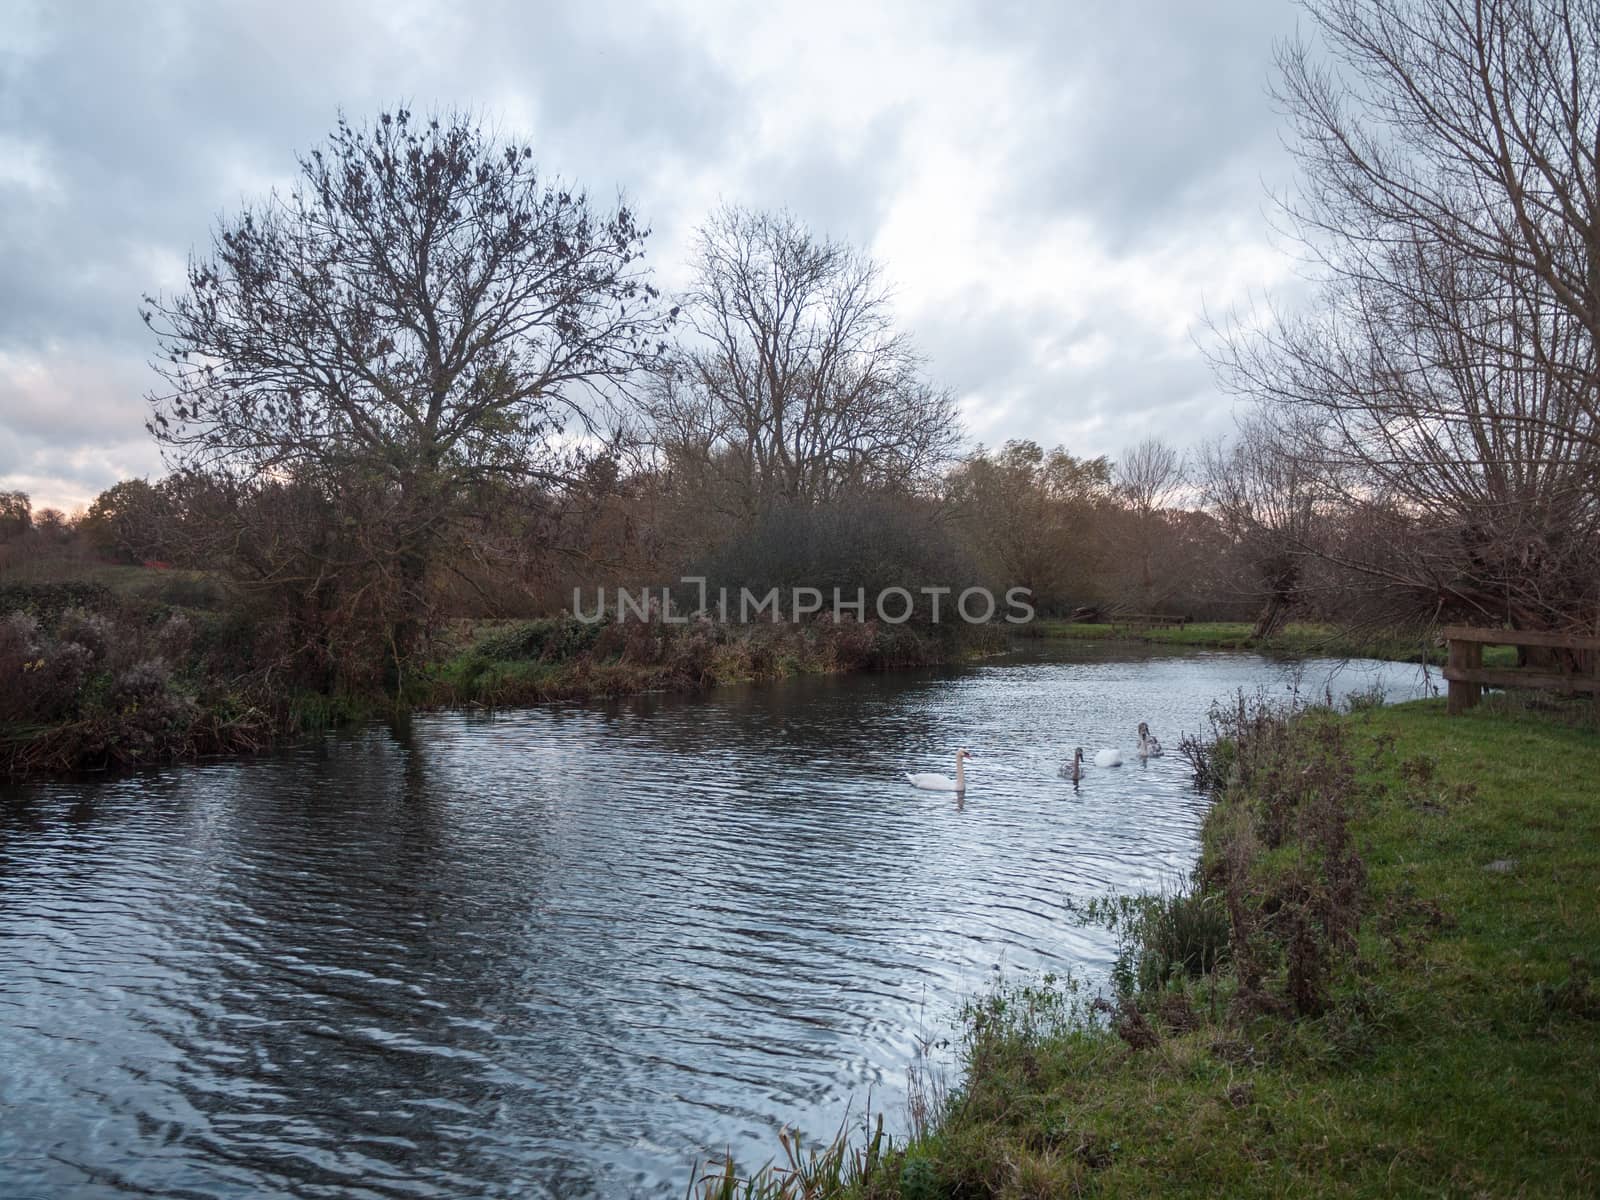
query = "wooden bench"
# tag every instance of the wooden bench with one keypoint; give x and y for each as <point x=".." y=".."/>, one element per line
<point x="1467" y="676"/>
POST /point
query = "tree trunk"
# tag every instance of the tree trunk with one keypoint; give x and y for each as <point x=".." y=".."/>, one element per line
<point x="409" y="625"/>
<point x="1272" y="616"/>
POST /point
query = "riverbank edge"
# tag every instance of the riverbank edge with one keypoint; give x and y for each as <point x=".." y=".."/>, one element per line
<point x="1296" y="640"/>
<point x="1451" y="1044"/>
<point x="483" y="666"/>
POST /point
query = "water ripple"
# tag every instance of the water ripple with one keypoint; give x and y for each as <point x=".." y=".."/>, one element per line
<point x="561" y="951"/>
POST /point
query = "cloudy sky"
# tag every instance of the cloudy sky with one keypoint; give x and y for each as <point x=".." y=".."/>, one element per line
<point x="1058" y="189"/>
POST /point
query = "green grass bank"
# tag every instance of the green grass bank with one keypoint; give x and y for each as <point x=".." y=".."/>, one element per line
<point x="1382" y="981"/>
<point x="1298" y="639"/>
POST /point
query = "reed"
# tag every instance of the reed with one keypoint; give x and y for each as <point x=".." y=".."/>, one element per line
<point x="841" y="1167"/>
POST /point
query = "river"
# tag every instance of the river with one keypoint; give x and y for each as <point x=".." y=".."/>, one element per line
<point x="567" y="950"/>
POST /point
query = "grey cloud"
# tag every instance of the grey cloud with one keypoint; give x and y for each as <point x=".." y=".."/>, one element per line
<point x="72" y="423"/>
<point x="142" y="122"/>
<point x="149" y="120"/>
<point x="154" y="120"/>
<point x="840" y="191"/>
<point x="1143" y="385"/>
<point x="1152" y="113"/>
<point x="68" y="390"/>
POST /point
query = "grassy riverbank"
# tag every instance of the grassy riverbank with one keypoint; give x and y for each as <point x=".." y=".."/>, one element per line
<point x="1295" y="640"/>
<point x="93" y="678"/>
<point x="560" y="658"/>
<point x="1405" y="918"/>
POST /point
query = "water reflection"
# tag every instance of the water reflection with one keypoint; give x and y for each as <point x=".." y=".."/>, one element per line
<point x="566" y="950"/>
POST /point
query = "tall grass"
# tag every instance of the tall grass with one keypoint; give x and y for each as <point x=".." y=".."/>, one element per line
<point x="841" y="1167"/>
<point x="1179" y="933"/>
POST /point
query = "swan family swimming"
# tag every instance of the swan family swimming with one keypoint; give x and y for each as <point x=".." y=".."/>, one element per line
<point x="1149" y="747"/>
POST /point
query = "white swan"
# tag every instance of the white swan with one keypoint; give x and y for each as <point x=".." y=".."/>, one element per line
<point x="1149" y="746"/>
<point x="1108" y="757"/>
<point x="943" y="783"/>
<point x="1073" y="768"/>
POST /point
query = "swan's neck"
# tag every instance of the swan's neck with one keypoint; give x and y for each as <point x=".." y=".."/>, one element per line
<point x="961" y="774"/>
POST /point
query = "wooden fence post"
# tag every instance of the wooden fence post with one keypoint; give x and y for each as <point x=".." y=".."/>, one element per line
<point x="1462" y="695"/>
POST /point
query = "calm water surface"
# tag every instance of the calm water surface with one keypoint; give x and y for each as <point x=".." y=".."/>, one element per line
<point x="565" y="951"/>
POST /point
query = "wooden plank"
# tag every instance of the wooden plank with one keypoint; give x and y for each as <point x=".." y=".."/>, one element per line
<point x="1513" y="677"/>
<point x="1519" y="637"/>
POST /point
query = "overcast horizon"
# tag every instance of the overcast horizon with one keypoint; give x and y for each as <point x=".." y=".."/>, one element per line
<point x="1056" y="196"/>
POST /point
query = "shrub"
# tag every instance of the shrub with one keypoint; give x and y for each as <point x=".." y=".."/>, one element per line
<point x="98" y="688"/>
<point x="1292" y="785"/>
<point x="183" y="589"/>
<point x="1180" y="934"/>
<point x="48" y="601"/>
<point x="92" y="630"/>
<point x="553" y="639"/>
<point x="694" y="659"/>
<point x="19" y="636"/>
<point x="174" y="637"/>
<point x="140" y="682"/>
<point x="226" y="644"/>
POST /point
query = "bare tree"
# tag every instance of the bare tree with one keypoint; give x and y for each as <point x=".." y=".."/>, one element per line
<point x="1469" y="132"/>
<point x="130" y="521"/>
<point x="1033" y="517"/>
<point x="1262" y="487"/>
<point x="16" y="515"/>
<point x="421" y="314"/>
<point x="1150" y="478"/>
<point x="1451" y="200"/>
<point x="796" y="386"/>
